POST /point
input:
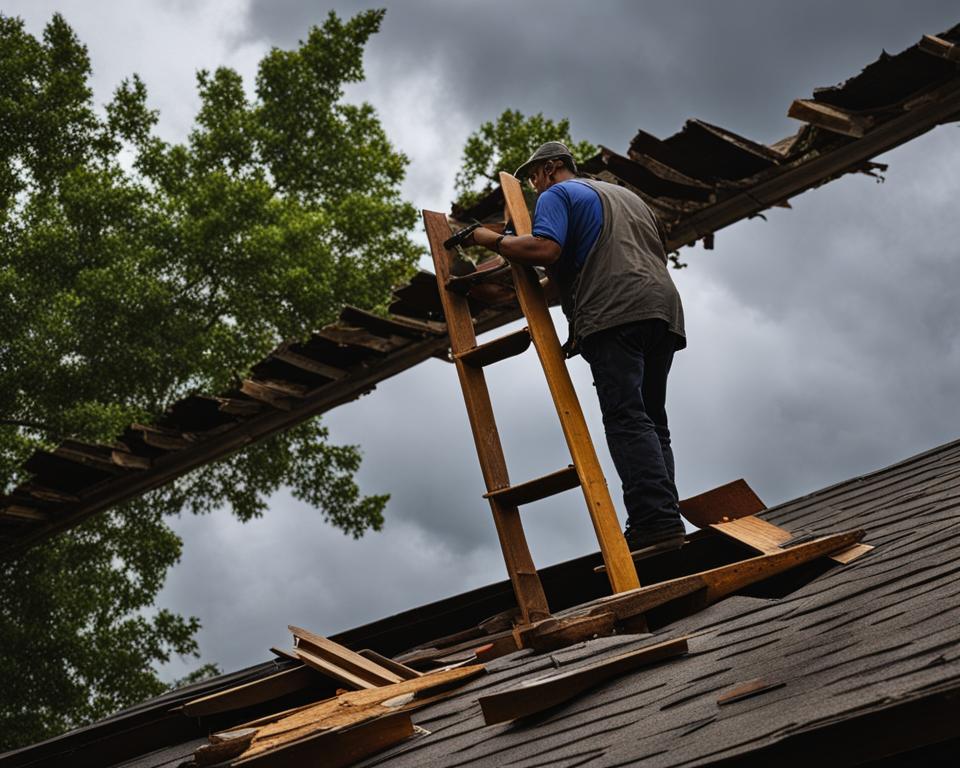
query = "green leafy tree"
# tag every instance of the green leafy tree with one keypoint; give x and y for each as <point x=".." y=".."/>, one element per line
<point x="505" y="144"/>
<point x="134" y="271"/>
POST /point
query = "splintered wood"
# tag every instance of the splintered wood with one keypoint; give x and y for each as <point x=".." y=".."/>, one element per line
<point x="310" y="730"/>
<point x="732" y="509"/>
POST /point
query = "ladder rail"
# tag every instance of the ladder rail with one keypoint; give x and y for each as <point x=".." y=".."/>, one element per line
<point x="516" y="554"/>
<point x="620" y="567"/>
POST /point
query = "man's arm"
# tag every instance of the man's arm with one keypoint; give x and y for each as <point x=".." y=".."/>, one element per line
<point x="523" y="249"/>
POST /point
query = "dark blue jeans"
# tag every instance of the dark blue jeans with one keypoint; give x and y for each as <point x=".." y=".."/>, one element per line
<point x="630" y="364"/>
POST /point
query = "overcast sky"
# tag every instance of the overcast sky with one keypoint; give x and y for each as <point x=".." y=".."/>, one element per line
<point x="823" y="342"/>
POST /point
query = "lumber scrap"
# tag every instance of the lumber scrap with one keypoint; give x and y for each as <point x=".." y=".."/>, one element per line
<point x="355" y="336"/>
<point x="533" y="696"/>
<point x="715" y="584"/>
<point x="391" y="325"/>
<point x="731" y="509"/>
<point x="555" y="633"/>
<point x="286" y="354"/>
<point x="23" y="513"/>
<point x="831" y="118"/>
<point x="335" y="747"/>
<point x="295" y="736"/>
<point x="340" y="662"/>
<point x="283" y="395"/>
<point x="728" y="579"/>
<point x="937" y="46"/>
<point x="401" y="670"/>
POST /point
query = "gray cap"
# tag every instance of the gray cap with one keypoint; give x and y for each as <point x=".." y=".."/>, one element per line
<point x="549" y="151"/>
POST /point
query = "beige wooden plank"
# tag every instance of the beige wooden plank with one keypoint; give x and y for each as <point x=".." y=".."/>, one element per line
<point x="754" y="532"/>
<point x="343" y="657"/>
<point x="620" y="567"/>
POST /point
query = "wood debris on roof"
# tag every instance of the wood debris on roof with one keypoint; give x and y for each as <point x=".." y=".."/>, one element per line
<point x="844" y="665"/>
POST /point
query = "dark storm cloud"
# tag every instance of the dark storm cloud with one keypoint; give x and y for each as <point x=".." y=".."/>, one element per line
<point x="613" y="67"/>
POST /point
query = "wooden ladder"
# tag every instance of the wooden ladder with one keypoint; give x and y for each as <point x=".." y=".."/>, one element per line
<point x="470" y="359"/>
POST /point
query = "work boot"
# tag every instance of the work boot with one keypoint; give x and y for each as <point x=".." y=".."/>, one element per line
<point x="645" y="542"/>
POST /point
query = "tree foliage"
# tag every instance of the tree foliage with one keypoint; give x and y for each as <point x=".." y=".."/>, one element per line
<point x="134" y="271"/>
<point x="505" y="144"/>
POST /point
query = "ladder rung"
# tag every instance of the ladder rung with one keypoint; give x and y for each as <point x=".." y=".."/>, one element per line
<point x="489" y="270"/>
<point x="540" y="488"/>
<point x="496" y="350"/>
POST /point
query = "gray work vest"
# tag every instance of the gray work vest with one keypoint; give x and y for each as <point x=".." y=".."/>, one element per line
<point x="625" y="276"/>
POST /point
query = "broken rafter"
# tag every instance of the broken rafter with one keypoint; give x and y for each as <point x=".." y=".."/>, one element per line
<point x="831" y="118"/>
<point x="937" y="46"/>
<point x="939" y="106"/>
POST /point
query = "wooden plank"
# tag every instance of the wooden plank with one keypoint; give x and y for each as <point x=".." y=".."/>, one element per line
<point x="767" y="538"/>
<point x="237" y="407"/>
<point x="401" y="670"/>
<point x="555" y="633"/>
<point x="636" y="602"/>
<point x="354" y="336"/>
<point x="256" y="692"/>
<point x="496" y="350"/>
<point x="333" y="670"/>
<point x="164" y="439"/>
<point x="831" y="118"/>
<point x="850" y="554"/>
<point x="44" y="493"/>
<point x="130" y="460"/>
<point x="21" y="513"/>
<point x="224" y="746"/>
<point x="538" y="488"/>
<point x="280" y="395"/>
<point x="939" y="47"/>
<point x="726" y="502"/>
<point x="620" y="567"/>
<point x="88" y="456"/>
<point x="728" y="579"/>
<point x="349" y="707"/>
<point x="751" y="530"/>
<point x="342" y="657"/>
<point x="534" y="696"/>
<point x="285" y="354"/>
<point x="717" y="583"/>
<point x="334" y="748"/>
<point x="516" y="554"/>
<point x="391" y="325"/>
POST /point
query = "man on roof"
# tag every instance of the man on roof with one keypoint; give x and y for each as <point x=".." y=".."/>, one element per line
<point x="605" y="250"/>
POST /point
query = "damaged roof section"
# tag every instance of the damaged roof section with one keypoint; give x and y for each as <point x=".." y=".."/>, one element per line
<point x="705" y="177"/>
<point x="853" y="664"/>
<point x="698" y="180"/>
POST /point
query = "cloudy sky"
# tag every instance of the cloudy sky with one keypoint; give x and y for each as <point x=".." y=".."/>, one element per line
<point x="824" y="342"/>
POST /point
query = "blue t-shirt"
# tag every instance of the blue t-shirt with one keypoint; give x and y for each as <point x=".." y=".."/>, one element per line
<point x="569" y="213"/>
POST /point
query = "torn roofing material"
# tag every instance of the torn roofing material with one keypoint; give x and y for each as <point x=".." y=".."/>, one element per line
<point x="699" y="180"/>
<point x="845" y="665"/>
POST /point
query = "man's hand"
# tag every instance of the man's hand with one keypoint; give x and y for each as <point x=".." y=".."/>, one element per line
<point x="523" y="249"/>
